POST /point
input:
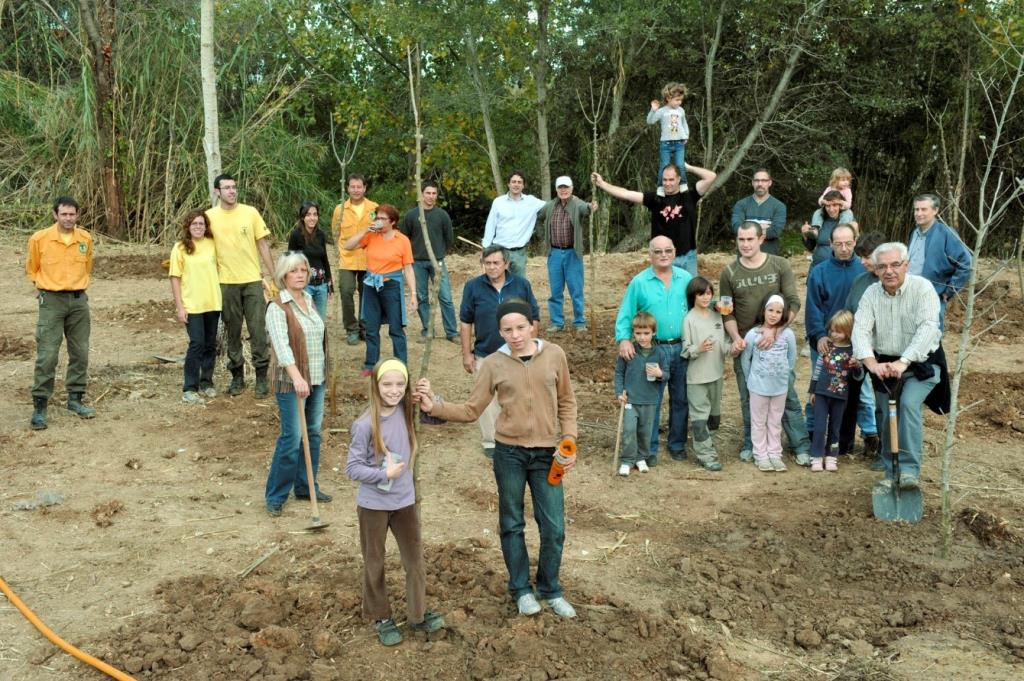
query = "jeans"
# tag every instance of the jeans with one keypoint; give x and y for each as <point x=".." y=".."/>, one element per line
<point x="319" y="293"/>
<point x="866" y="410"/>
<point x="809" y="408"/>
<point x="424" y="271"/>
<point x="678" y="408"/>
<point x="350" y="284"/>
<point x="384" y="306"/>
<point x="565" y="269"/>
<point x="673" y="151"/>
<point x="245" y="302"/>
<point x="687" y="261"/>
<point x="636" y="429"/>
<point x="62" y="314"/>
<point x="829" y="414"/>
<point x="792" y="418"/>
<point x="202" y="350"/>
<point x="288" y="467"/>
<point x="514" y="469"/>
<point x="517" y="261"/>
<point x="910" y="424"/>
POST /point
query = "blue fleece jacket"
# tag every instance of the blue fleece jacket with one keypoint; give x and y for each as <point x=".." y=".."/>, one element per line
<point x="947" y="262"/>
<point x="828" y="284"/>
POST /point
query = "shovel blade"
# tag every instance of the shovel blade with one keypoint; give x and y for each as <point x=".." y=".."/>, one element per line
<point x="895" y="505"/>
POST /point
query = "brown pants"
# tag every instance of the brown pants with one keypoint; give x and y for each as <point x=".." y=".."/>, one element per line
<point x="373" y="532"/>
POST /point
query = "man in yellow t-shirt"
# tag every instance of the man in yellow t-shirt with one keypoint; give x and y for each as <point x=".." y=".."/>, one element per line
<point x="350" y="218"/>
<point x="241" y="239"/>
<point x="59" y="264"/>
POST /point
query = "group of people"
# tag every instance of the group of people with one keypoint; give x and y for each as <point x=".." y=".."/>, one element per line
<point x="872" y="310"/>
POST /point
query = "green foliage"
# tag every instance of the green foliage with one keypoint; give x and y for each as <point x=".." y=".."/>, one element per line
<point x="879" y="90"/>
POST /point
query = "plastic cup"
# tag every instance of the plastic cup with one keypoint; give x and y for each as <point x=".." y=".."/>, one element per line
<point x="725" y="305"/>
<point x="650" y="367"/>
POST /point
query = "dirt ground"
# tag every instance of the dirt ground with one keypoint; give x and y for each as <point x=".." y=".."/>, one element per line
<point x="677" y="574"/>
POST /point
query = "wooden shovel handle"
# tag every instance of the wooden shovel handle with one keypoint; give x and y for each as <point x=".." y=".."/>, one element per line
<point x="894" y="437"/>
<point x="310" y="481"/>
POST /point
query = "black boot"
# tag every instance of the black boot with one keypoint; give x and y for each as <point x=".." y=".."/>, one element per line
<point x="75" y="406"/>
<point x="237" y="386"/>
<point x="38" y="413"/>
<point x="262" y="386"/>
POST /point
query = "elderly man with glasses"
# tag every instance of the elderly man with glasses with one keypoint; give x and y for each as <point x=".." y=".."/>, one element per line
<point x="896" y="336"/>
<point x="661" y="290"/>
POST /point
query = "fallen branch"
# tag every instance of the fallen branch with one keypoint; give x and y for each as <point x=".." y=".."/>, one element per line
<point x="259" y="561"/>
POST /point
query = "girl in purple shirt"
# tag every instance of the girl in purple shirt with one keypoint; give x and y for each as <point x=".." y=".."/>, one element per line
<point x="380" y="457"/>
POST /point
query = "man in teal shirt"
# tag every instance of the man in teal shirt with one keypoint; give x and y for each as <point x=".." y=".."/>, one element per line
<point x="661" y="290"/>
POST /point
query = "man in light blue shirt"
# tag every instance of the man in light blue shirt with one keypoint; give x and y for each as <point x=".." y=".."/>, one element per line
<point x="661" y="290"/>
<point x="937" y="253"/>
<point x="511" y="221"/>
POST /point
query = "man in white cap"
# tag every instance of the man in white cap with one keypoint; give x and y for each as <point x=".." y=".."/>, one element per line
<point x="562" y="242"/>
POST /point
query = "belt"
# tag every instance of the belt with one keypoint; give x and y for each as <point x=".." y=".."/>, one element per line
<point x="516" y="248"/>
<point x="670" y="341"/>
<point x="562" y="248"/>
<point x="76" y="294"/>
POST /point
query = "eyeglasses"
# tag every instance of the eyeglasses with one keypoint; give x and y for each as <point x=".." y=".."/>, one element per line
<point x="663" y="251"/>
<point x="893" y="266"/>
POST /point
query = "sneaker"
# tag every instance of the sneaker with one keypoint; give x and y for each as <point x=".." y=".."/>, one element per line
<point x="747" y="455"/>
<point x="432" y="622"/>
<point x="209" y="392"/>
<point x="191" y="397"/>
<point x="711" y="463"/>
<point x="677" y="455"/>
<point x="582" y="328"/>
<point x="878" y="464"/>
<point x="553" y="329"/>
<point x="652" y="461"/>
<point x="321" y="496"/>
<point x="642" y="466"/>
<point x="816" y="465"/>
<point x="624" y="470"/>
<point x="274" y="510"/>
<point x="387" y="632"/>
<point x="352" y="339"/>
<point x="778" y="465"/>
<point x="908" y="482"/>
<point x="831" y="463"/>
<point x="803" y="459"/>
<point x="455" y="339"/>
<point x="528" y="605"/>
<point x="489" y="453"/>
<point x="562" y="608"/>
<point x="765" y="466"/>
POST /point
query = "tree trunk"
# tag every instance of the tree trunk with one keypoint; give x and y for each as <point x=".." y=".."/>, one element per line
<point x="540" y="77"/>
<point x="709" y="68"/>
<point x="614" y="121"/>
<point x="211" y="120"/>
<point x="473" y="63"/>
<point x="808" y="19"/>
<point x="97" y="17"/>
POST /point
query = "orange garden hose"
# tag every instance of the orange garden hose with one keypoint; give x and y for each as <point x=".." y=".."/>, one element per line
<point x="58" y="641"/>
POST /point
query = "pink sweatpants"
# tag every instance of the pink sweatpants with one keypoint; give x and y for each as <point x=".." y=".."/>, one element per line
<point x="766" y="425"/>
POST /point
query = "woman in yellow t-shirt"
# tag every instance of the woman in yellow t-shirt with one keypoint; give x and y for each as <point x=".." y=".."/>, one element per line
<point x="196" y="290"/>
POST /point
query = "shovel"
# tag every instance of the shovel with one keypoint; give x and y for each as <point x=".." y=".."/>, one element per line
<point x="618" y="439"/>
<point x="316" y="524"/>
<point x="890" y="502"/>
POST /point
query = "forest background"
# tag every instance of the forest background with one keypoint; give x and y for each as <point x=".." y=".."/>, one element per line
<point x="103" y="100"/>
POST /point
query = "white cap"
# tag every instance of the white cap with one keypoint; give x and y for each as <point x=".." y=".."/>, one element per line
<point x="563" y="181"/>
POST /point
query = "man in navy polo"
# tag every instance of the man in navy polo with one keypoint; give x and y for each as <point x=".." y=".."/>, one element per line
<point x="480" y="299"/>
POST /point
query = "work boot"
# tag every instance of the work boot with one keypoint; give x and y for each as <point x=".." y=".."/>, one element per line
<point x="237" y="384"/>
<point x="75" y="406"/>
<point x="38" y="413"/>
<point x="262" y="386"/>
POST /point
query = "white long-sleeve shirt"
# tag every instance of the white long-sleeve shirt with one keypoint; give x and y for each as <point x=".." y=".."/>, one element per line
<point x="510" y="223"/>
<point x="904" y="324"/>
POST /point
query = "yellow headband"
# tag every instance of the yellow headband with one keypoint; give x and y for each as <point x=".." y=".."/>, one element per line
<point x="393" y="365"/>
